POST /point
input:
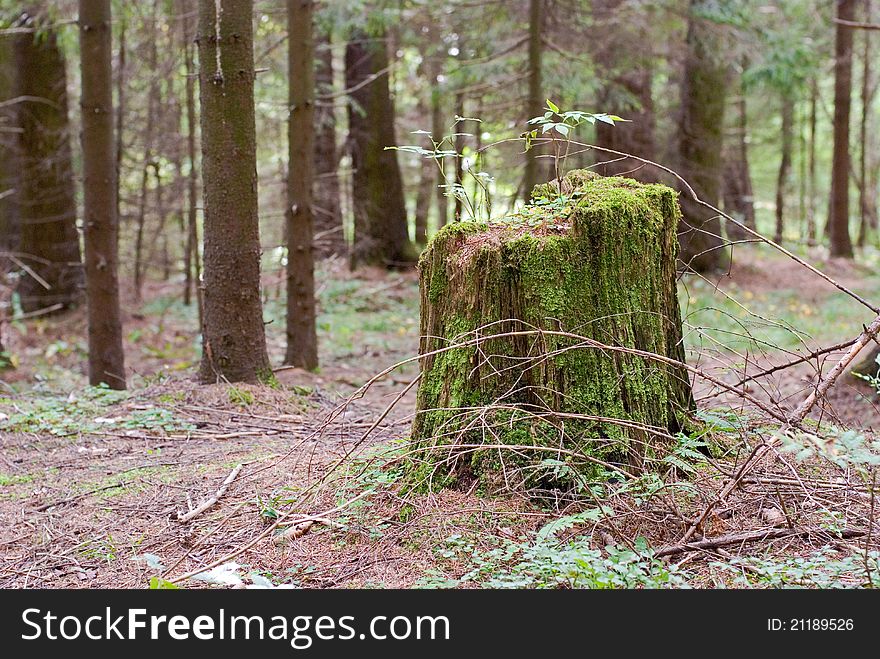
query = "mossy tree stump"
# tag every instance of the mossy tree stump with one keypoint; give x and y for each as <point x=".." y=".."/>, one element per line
<point x="515" y="295"/>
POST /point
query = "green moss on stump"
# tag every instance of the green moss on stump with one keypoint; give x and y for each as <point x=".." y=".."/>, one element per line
<point x="600" y="265"/>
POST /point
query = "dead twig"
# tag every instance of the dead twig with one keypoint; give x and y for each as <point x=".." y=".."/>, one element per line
<point x="210" y="501"/>
<point x="795" y="419"/>
<point x="298" y="528"/>
<point x="53" y="504"/>
<point x="740" y="538"/>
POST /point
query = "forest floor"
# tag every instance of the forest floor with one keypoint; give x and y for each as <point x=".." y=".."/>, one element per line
<point x="92" y="482"/>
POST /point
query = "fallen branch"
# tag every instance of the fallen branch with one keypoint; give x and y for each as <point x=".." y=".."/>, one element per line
<point x="299" y="527"/>
<point x="863" y="339"/>
<point x="210" y="501"/>
<point x="285" y="518"/>
<point x="740" y="538"/>
<point x="797" y="417"/>
<point x="47" y="506"/>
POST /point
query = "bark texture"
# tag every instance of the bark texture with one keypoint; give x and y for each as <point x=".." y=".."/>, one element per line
<point x="737" y="192"/>
<point x="381" y="236"/>
<point x="627" y="67"/>
<point x="605" y="272"/>
<point x="100" y="221"/>
<point x="46" y="202"/>
<point x="838" y="219"/>
<point x="867" y="158"/>
<point x="10" y="225"/>
<point x="192" y="262"/>
<point x="234" y="340"/>
<point x="439" y="129"/>
<point x="329" y="236"/>
<point x="701" y="140"/>
<point x="782" y="181"/>
<point x="536" y="99"/>
<point x="302" y="341"/>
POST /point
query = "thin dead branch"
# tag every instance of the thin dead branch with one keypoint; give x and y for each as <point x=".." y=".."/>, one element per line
<point x="210" y="501"/>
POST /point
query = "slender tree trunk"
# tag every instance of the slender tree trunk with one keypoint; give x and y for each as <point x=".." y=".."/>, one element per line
<point x="478" y="164"/>
<point x="192" y="261"/>
<point x="234" y="339"/>
<point x="535" y="104"/>
<point x="737" y="184"/>
<point x="802" y="171"/>
<point x="10" y="223"/>
<point x="302" y="342"/>
<point x="627" y="70"/>
<point x="159" y="240"/>
<point x="47" y="205"/>
<point x="782" y="180"/>
<point x="121" y="80"/>
<point x="153" y="103"/>
<point x="381" y="236"/>
<point x="438" y="127"/>
<point x="701" y="138"/>
<point x="460" y="130"/>
<point x="427" y="171"/>
<point x="106" y="358"/>
<point x="330" y="237"/>
<point x="811" y="167"/>
<point x="867" y="191"/>
<point x="838" y="221"/>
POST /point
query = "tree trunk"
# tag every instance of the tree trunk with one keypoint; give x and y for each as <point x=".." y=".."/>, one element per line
<point x="867" y="191"/>
<point x="459" y="145"/>
<point x="737" y="184"/>
<point x="627" y="70"/>
<point x="701" y="140"/>
<point x="234" y="337"/>
<point x="121" y="80"/>
<point x="439" y="131"/>
<point x="535" y="104"/>
<point x="302" y="341"/>
<point x="47" y="203"/>
<point x="782" y="180"/>
<point x="100" y="225"/>
<point x="838" y="221"/>
<point x="154" y="102"/>
<point x="596" y="277"/>
<point x="427" y="172"/>
<point x="329" y="236"/>
<point x="811" y="166"/>
<point x="380" y="221"/>
<point x="10" y="223"/>
<point x="192" y="263"/>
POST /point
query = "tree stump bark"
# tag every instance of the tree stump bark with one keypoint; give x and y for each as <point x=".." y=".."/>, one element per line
<point x="527" y="300"/>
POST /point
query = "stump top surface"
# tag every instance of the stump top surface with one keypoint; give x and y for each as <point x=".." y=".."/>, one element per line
<point x="589" y="205"/>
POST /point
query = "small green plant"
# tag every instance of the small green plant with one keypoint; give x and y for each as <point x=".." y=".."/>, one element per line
<point x="871" y="379"/>
<point x="7" y="480"/>
<point x="87" y="411"/>
<point x="554" y="124"/>
<point x="821" y="570"/>
<point x="240" y="397"/>
<point x="104" y="549"/>
<point x="847" y="449"/>
<point x="559" y="126"/>
<point x="545" y="561"/>
<point x="478" y="205"/>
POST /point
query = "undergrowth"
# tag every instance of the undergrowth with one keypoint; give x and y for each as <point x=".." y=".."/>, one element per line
<point x="93" y="409"/>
